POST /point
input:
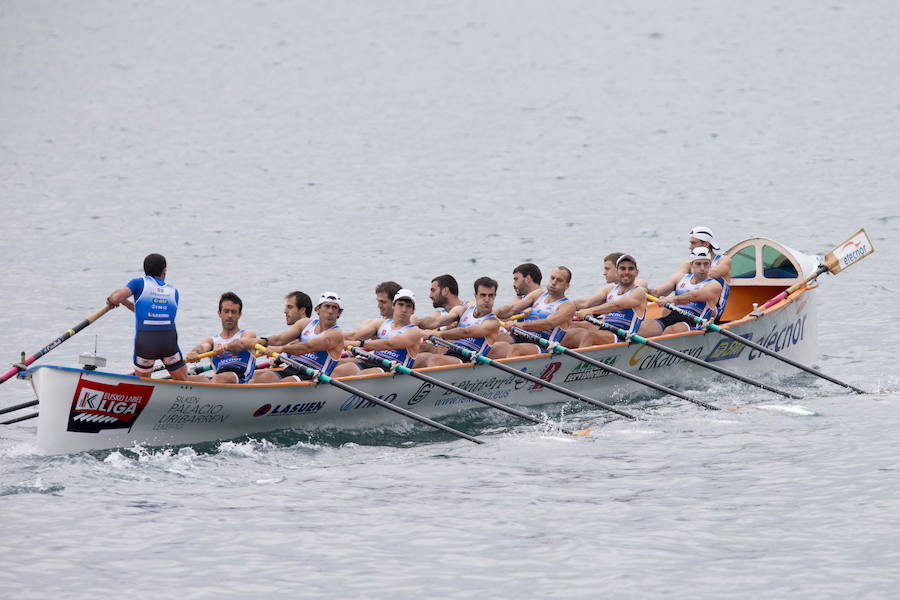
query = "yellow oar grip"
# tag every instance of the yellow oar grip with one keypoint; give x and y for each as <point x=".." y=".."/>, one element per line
<point x="206" y="354"/>
<point x="652" y="298"/>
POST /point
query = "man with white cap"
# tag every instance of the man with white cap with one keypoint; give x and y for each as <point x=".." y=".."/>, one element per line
<point x="695" y="293"/>
<point x="622" y="304"/>
<point x="396" y="338"/>
<point x="315" y="343"/>
<point x="720" y="270"/>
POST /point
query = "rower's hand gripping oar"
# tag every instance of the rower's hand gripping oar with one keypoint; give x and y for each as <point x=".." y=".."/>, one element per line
<point x="319" y="376"/>
<point x="715" y="328"/>
<point x="56" y="342"/>
<point x="396" y="367"/>
<point x="480" y="358"/>
<point x="537" y="339"/>
<point x="850" y="252"/>
<point x="633" y="337"/>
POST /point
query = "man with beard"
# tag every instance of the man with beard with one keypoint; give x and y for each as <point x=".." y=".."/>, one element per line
<point x="444" y="295"/>
<point x="477" y="325"/>
<point x="549" y="313"/>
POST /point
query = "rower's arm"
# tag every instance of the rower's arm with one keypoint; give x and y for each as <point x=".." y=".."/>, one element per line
<point x="364" y="331"/>
<point x="409" y="339"/>
<point x="669" y="286"/>
<point x="560" y="318"/>
<point x="633" y="299"/>
<point x="436" y="319"/>
<point x="286" y="336"/>
<point x="597" y="299"/>
<point x="329" y="340"/>
<point x="247" y="341"/>
<point x="487" y="328"/>
<point x="517" y="306"/>
<point x="709" y="293"/>
<point x="205" y="346"/>
<point x="721" y="269"/>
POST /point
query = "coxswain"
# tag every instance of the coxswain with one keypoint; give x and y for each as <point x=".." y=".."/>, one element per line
<point x="155" y="305"/>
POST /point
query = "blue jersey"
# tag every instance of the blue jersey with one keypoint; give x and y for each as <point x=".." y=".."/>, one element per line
<point x="320" y="360"/>
<point x="155" y="303"/>
<point x="401" y="355"/>
<point x="541" y="309"/>
<point x="726" y="288"/>
<point x="627" y="318"/>
<point x="698" y="309"/>
<point x="240" y="363"/>
<point x="475" y="344"/>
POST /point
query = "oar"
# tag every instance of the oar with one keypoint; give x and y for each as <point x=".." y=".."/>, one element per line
<point x="536" y="339"/>
<point x="10" y="409"/>
<point x="57" y="342"/>
<point x="715" y="328"/>
<point x="850" y="252"/>
<point x="319" y="376"/>
<point x="396" y="367"/>
<point x="480" y="358"/>
<point x="687" y="357"/>
<point x="18" y="419"/>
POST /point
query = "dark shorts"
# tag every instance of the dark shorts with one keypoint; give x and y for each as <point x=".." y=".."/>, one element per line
<point x="671" y="319"/>
<point x="290" y="371"/>
<point x="150" y="346"/>
<point x="237" y="370"/>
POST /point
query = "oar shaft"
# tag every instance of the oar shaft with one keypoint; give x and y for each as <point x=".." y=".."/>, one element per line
<point x="18" y="419"/>
<point x="10" y="409"/>
<point x="624" y="374"/>
<point x="373" y="399"/>
<point x="532" y="378"/>
<point x="457" y="390"/>
<point x="687" y="357"/>
<point x="778" y="298"/>
<point x="729" y="334"/>
<point x="12" y="372"/>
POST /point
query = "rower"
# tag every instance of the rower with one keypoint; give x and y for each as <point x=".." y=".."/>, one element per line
<point x="696" y="293"/>
<point x="234" y="360"/>
<point x="396" y="339"/>
<point x="444" y="295"/>
<point x="297" y="305"/>
<point x="314" y="343"/>
<point x="720" y="269"/>
<point x="622" y="304"/>
<point x="549" y="312"/>
<point x="477" y="325"/>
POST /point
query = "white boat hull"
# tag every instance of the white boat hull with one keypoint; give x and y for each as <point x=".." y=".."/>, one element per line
<point x="90" y="410"/>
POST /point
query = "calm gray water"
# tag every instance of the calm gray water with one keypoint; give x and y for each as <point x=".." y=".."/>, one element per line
<point x="269" y="146"/>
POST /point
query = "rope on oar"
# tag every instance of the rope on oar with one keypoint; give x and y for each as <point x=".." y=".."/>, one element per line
<point x="686" y="357"/>
<point x="396" y="367"/>
<point x="16" y="368"/>
<point x="715" y="328"/>
<point x="480" y="358"/>
<point x="319" y="376"/>
<point x="537" y="339"/>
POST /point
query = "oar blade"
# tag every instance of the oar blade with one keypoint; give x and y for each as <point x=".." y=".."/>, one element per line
<point x="850" y="252"/>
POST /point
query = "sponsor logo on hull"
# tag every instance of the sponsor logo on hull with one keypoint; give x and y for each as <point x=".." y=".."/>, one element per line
<point x="420" y="394"/>
<point x="100" y="406"/>
<point x="728" y="349"/>
<point x="781" y="339"/>
<point x="584" y="371"/>
<point x="547" y="374"/>
<point x="657" y="358"/>
<point x="280" y="410"/>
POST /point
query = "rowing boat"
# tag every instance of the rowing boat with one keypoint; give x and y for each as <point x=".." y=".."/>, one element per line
<point x="83" y="409"/>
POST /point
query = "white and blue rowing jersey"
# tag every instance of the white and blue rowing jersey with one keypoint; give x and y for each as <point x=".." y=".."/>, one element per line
<point x="241" y="364"/>
<point x="155" y="303"/>
<point x="401" y="355"/>
<point x="726" y="288"/>
<point x="627" y="318"/>
<point x="541" y="309"/>
<point x="475" y="344"/>
<point x="321" y="360"/>
<point x="699" y="309"/>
